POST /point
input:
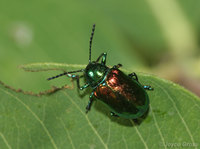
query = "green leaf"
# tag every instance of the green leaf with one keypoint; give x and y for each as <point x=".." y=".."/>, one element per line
<point x="59" y="120"/>
<point x="35" y="67"/>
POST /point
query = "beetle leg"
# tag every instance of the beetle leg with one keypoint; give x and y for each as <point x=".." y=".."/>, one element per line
<point x="103" y="60"/>
<point x="90" y="102"/>
<point x="113" y="114"/>
<point x="147" y="87"/>
<point x="117" y="66"/>
<point x="84" y="86"/>
<point x="134" y="74"/>
<point x="78" y="82"/>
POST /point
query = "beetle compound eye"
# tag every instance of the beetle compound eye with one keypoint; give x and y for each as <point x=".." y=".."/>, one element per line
<point x="91" y="74"/>
<point x="99" y="73"/>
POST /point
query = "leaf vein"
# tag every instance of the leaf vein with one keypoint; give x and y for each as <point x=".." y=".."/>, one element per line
<point x="35" y="116"/>
<point x="124" y="141"/>
<point x="179" y="114"/>
<point x="159" y="131"/>
<point x="108" y="134"/>
<point x="6" y="142"/>
<point x="90" y="124"/>
<point x="139" y="134"/>
<point x="69" y="137"/>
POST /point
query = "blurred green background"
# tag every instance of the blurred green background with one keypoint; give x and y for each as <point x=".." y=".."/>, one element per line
<point x="151" y="36"/>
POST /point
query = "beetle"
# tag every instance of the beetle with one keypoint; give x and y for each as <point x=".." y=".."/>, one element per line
<point x="121" y="93"/>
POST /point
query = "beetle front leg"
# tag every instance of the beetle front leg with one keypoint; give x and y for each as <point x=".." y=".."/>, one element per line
<point x="78" y="82"/>
<point x="147" y="87"/>
<point x="90" y="102"/>
<point x="84" y="86"/>
<point x="103" y="60"/>
<point x="134" y="74"/>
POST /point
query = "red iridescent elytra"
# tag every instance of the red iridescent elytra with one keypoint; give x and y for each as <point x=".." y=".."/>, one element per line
<point x="123" y="95"/>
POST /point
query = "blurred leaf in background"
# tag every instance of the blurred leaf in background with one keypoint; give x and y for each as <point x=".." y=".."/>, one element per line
<point x="152" y="36"/>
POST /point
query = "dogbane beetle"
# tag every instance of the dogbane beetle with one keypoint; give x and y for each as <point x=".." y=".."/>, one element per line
<point x="121" y="93"/>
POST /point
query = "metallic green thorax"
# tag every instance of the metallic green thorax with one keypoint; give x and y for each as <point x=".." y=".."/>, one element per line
<point x="95" y="73"/>
<point x="123" y="94"/>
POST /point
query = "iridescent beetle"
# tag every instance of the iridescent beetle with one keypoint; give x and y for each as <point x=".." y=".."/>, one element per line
<point x="122" y="94"/>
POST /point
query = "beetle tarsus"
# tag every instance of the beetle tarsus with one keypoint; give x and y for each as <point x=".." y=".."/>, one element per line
<point x="148" y="87"/>
<point x="103" y="60"/>
<point x="90" y="102"/>
<point x="88" y="107"/>
<point x="113" y="114"/>
<point x="134" y="74"/>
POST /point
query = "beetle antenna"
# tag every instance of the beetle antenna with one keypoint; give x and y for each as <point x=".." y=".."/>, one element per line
<point x="91" y="38"/>
<point x="62" y="74"/>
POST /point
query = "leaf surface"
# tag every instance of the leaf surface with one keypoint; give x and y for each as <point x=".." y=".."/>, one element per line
<point x="59" y="120"/>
